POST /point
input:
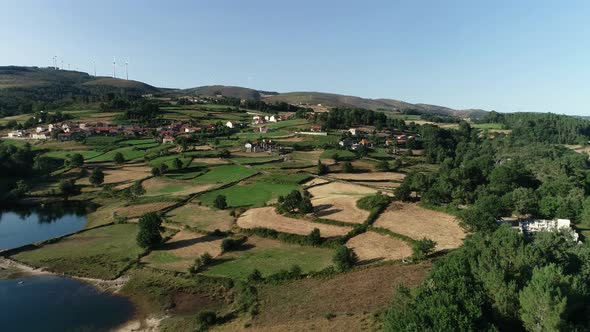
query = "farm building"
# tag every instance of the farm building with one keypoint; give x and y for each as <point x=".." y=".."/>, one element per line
<point x="229" y="124"/>
<point x="168" y="140"/>
<point x="16" y="134"/>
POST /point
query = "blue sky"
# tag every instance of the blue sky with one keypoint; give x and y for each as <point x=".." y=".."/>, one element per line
<point x="500" y="55"/>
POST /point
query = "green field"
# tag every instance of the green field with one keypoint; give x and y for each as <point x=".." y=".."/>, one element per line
<point x="342" y="154"/>
<point x="269" y="260"/>
<point x="88" y="154"/>
<point x="98" y="253"/>
<point x="287" y="123"/>
<point x="255" y="135"/>
<point x="496" y="126"/>
<point x="225" y="174"/>
<point x="168" y="160"/>
<point x="130" y="153"/>
<point x="255" y="160"/>
<point x="256" y="193"/>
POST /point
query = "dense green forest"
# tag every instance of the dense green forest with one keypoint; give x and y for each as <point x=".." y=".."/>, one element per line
<point x="543" y="127"/>
<point x="500" y="279"/>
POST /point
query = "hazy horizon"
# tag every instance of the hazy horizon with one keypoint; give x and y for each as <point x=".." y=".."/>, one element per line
<point x="511" y="57"/>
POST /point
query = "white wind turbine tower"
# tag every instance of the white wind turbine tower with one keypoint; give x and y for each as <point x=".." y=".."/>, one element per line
<point x="94" y="66"/>
<point x="114" y="67"/>
<point x="126" y="69"/>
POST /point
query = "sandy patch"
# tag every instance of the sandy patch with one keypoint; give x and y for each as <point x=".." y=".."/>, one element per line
<point x="371" y="247"/>
<point x="417" y="222"/>
<point x="267" y="217"/>
<point x="337" y="201"/>
<point x="314" y="182"/>
<point x="213" y="161"/>
<point x="380" y="184"/>
<point x="132" y="211"/>
<point x="185" y="246"/>
<point x="157" y="186"/>
<point x="201" y="217"/>
<point x="374" y="176"/>
<point x="124" y="176"/>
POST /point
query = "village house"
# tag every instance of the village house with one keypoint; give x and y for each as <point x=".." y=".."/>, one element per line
<point x="229" y="124"/>
<point x="262" y="146"/>
<point x="316" y="128"/>
<point x="263" y="129"/>
<point x="42" y="135"/>
<point x="168" y="139"/>
<point x="16" y="134"/>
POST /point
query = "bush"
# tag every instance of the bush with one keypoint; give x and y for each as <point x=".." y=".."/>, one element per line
<point x="314" y="238"/>
<point x="220" y="202"/>
<point x="347" y="167"/>
<point x="119" y="158"/>
<point x="205" y="319"/>
<point x="344" y="258"/>
<point x="150" y="225"/>
<point x="230" y="244"/>
<point x="96" y="177"/>
<point x="372" y="202"/>
<point x="382" y="165"/>
<point x="294" y="201"/>
<point x="156" y="171"/>
<point x="68" y="187"/>
<point x="255" y="276"/>
<point x="422" y="248"/>
<point x="202" y="261"/>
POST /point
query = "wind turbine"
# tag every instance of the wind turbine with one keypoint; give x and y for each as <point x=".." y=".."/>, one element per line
<point x="127" y="70"/>
<point x="114" y="67"/>
<point x="94" y="66"/>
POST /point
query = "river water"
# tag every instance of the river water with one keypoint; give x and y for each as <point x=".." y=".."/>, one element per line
<point x="50" y="303"/>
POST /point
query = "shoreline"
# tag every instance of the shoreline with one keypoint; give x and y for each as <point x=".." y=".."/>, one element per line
<point x="134" y="324"/>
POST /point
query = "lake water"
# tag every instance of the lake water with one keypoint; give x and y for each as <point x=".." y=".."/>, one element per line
<point x="30" y="224"/>
<point x="49" y="303"/>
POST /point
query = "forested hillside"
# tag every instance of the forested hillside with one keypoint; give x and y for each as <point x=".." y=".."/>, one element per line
<point x="500" y="280"/>
<point x="543" y="127"/>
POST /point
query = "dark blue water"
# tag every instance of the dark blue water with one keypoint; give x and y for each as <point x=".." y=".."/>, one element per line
<point x="48" y="303"/>
<point x="28" y="225"/>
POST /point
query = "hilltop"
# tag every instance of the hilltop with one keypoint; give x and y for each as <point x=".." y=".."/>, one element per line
<point x="329" y="100"/>
<point x="336" y="100"/>
<point x="32" y="84"/>
<point x="23" y="78"/>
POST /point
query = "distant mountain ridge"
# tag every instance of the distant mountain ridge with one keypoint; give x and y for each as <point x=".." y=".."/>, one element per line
<point x="30" y="78"/>
<point x="26" y="83"/>
<point x="332" y="100"/>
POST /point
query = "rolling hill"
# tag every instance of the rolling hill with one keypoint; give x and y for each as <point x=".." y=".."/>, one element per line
<point x="29" y="84"/>
<point x="336" y="100"/>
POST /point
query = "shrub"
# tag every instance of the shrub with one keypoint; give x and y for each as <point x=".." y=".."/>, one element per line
<point x="347" y="167"/>
<point x="150" y="225"/>
<point x="202" y="261"/>
<point x="119" y="158"/>
<point x="255" y="276"/>
<point x="322" y="168"/>
<point x="314" y="238"/>
<point x="230" y="244"/>
<point x="220" y="202"/>
<point x="344" y="258"/>
<point x="422" y="248"/>
<point x="96" y="177"/>
<point x="382" y="165"/>
<point x="156" y="171"/>
<point x="205" y="319"/>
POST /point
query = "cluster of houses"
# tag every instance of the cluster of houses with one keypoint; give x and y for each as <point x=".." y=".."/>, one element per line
<point x="67" y="131"/>
<point x="358" y="138"/>
<point x="529" y="226"/>
<point x="265" y="145"/>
